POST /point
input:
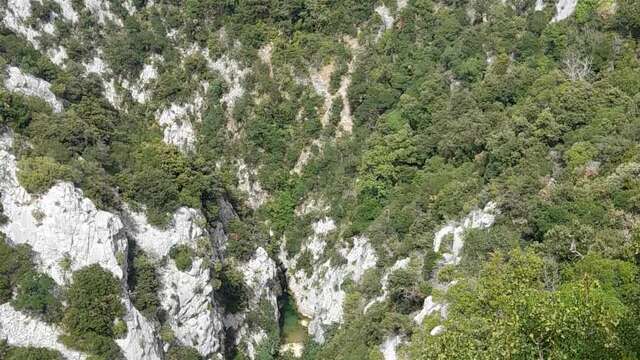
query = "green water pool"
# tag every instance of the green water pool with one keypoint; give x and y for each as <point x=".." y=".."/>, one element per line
<point x="292" y="330"/>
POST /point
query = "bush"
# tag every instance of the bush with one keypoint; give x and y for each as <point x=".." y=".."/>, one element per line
<point x="144" y="284"/>
<point x="183" y="256"/>
<point x="93" y="306"/>
<point x="36" y="295"/>
<point x="14" y="263"/>
<point x="27" y="353"/>
<point x="183" y="353"/>
<point x="38" y="174"/>
<point x="232" y="291"/>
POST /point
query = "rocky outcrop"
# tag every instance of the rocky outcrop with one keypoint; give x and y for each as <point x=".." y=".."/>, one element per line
<point x="187" y="297"/>
<point x="176" y="123"/>
<point x="260" y="276"/>
<point x="62" y="226"/>
<point x="102" y="11"/>
<point x="21" y="330"/>
<point x="389" y="347"/>
<point x="248" y="184"/>
<point x="385" y="15"/>
<point x="319" y="294"/>
<point x="15" y="17"/>
<point x="184" y="228"/>
<point x="193" y="315"/>
<point x="138" y="89"/>
<point x="66" y="233"/>
<point x="31" y="86"/>
<point x="233" y="75"/>
<point x="384" y="282"/>
<point x="477" y="219"/>
<point x="141" y="341"/>
<point x="564" y="9"/>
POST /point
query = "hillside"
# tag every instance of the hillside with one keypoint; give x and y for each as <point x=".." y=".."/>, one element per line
<point x="336" y="179"/>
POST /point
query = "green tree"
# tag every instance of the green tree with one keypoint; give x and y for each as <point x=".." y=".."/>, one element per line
<point x="509" y="312"/>
<point x="93" y="305"/>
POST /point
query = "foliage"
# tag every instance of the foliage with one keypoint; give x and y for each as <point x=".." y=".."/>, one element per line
<point x="232" y="291"/>
<point x="144" y="283"/>
<point x="15" y="262"/>
<point x="509" y="311"/>
<point x="36" y="294"/>
<point x="183" y="256"/>
<point x="93" y="305"/>
<point x="27" y="353"/>
<point x="38" y="174"/>
<point x="183" y="353"/>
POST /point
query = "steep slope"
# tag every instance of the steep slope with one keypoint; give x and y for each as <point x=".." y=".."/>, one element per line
<point x="368" y="160"/>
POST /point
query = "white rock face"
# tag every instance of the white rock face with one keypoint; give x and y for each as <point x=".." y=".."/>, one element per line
<point x="178" y="129"/>
<point x="539" y="5"/>
<point x="385" y="15"/>
<point x="248" y="184"/>
<point x="439" y="329"/>
<point x="183" y="229"/>
<point x="430" y="307"/>
<point x="21" y="330"/>
<point x="233" y="75"/>
<point x="260" y="273"/>
<point x="58" y="55"/>
<point x="138" y="91"/>
<point x="312" y="205"/>
<point x="60" y="224"/>
<point x="319" y="296"/>
<point x="15" y="17"/>
<point x="96" y="66"/>
<point x="384" y="282"/>
<point x="64" y="225"/>
<point x="67" y="10"/>
<point x="305" y="156"/>
<point x="194" y="316"/>
<point x="320" y="229"/>
<point x="261" y="278"/>
<point x="389" y="347"/>
<point x="101" y="10"/>
<point x="192" y="313"/>
<point x="477" y="219"/>
<point x="31" y="86"/>
<point x="141" y="341"/>
<point x="228" y="68"/>
<point x="295" y="349"/>
<point x="564" y="8"/>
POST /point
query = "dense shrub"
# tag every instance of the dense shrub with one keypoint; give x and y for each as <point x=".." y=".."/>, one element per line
<point x="8" y="352"/>
<point x="144" y="284"/>
<point x="183" y="353"/>
<point x="93" y="305"/>
<point x="232" y="291"/>
<point x="14" y="263"/>
<point x="38" y="174"/>
<point x="36" y="294"/>
<point x="183" y="257"/>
